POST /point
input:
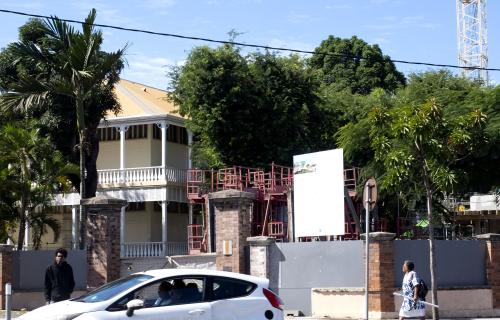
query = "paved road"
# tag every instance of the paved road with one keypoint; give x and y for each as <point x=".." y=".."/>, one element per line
<point x="16" y="314"/>
<point x="311" y="318"/>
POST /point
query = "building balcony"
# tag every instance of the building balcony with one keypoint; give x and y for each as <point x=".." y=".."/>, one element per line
<point x="145" y="176"/>
<point x="153" y="249"/>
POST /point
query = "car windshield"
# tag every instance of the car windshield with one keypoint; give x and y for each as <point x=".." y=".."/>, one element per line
<point x="113" y="288"/>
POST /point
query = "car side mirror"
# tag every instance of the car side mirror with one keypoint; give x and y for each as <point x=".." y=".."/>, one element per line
<point x="134" y="305"/>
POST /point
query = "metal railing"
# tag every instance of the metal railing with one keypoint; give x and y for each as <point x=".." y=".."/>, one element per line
<point x="144" y="174"/>
<point x="153" y="249"/>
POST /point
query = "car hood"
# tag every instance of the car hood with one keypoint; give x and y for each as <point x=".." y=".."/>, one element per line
<point x="61" y="310"/>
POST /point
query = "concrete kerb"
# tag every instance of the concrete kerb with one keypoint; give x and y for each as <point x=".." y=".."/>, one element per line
<point x="379" y="236"/>
<point x="261" y="241"/>
<point x="488" y="236"/>
<point x="393" y="318"/>
<point x="14" y="314"/>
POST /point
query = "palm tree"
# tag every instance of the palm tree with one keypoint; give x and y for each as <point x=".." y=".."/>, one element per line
<point x="31" y="172"/>
<point x="77" y="68"/>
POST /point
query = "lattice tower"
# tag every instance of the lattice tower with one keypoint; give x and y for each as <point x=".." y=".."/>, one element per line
<point x="472" y="38"/>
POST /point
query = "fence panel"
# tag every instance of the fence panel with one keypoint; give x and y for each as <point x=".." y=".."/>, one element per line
<point x="459" y="263"/>
<point x="29" y="268"/>
<point x="298" y="267"/>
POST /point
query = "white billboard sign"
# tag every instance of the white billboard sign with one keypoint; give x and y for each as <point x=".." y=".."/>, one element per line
<point x="319" y="193"/>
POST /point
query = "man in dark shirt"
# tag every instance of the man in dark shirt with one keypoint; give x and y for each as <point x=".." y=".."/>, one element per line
<point x="59" y="281"/>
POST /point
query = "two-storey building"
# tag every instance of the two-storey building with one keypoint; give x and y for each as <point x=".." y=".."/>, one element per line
<point x="143" y="158"/>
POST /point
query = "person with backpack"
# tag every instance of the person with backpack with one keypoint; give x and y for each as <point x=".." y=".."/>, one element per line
<point x="414" y="291"/>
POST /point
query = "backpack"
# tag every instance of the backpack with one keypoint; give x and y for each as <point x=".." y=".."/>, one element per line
<point x="422" y="292"/>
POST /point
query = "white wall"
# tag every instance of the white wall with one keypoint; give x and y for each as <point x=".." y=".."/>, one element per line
<point x="177" y="155"/>
<point x="156" y="152"/>
<point x="138" y="225"/>
<point x="349" y="303"/>
<point x="177" y="227"/>
<point x="63" y="217"/>
<point x="141" y="153"/>
<point x="137" y="153"/>
<point x="145" y="226"/>
<point x="156" y="232"/>
<point x="109" y="155"/>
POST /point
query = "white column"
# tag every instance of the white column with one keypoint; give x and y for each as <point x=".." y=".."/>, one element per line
<point x="74" y="227"/>
<point x="122" y="231"/>
<point x="163" y="126"/>
<point x="190" y="149"/>
<point x="26" y="233"/>
<point x="122" y="130"/>
<point x="164" y="225"/>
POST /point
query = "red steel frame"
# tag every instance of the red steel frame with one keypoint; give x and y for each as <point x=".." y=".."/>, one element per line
<point x="271" y="188"/>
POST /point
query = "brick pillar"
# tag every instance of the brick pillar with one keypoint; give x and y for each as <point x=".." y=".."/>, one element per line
<point x="493" y="265"/>
<point x="233" y="213"/>
<point x="260" y="255"/>
<point x="381" y="264"/>
<point x="5" y="270"/>
<point x="103" y="239"/>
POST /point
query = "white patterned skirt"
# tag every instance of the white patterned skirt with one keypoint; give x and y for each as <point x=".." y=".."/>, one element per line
<point x="414" y="313"/>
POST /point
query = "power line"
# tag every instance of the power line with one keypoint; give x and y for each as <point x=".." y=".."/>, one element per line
<point x="258" y="46"/>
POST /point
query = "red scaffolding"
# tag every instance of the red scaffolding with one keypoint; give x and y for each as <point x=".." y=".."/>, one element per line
<point x="270" y="216"/>
<point x="271" y="213"/>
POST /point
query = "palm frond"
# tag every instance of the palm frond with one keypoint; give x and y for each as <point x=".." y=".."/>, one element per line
<point x="59" y="30"/>
<point x="88" y="26"/>
<point x="39" y="221"/>
<point x="27" y="50"/>
<point x="20" y="102"/>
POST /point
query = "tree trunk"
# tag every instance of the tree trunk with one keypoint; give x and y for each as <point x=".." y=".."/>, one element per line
<point x="91" y="179"/>
<point x="432" y="257"/>
<point x="23" y="214"/>
<point x="80" y="122"/>
<point x="22" y="231"/>
<point x="83" y="215"/>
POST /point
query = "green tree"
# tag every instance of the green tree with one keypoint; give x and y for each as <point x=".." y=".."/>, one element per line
<point x="31" y="171"/>
<point x="246" y="110"/>
<point x="458" y="96"/>
<point x="418" y="145"/>
<point x="76" y="69"/>
<point x="354" y="65"/>
<point x="8" y="210"/>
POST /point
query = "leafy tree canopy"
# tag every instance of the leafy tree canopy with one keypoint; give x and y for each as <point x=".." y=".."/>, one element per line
<point x="355" y="65"/>
<point x="247" y="110"/>
<point x="31" y="171"/>
<point x="417" y="145"/>
<point x="51" y="69"/>
<point x="456" y="96"/>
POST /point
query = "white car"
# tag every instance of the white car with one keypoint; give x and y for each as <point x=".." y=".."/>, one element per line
<point x="193" y="294"/>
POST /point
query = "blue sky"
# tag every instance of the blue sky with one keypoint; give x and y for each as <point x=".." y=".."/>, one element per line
<point x="423" y="30"/>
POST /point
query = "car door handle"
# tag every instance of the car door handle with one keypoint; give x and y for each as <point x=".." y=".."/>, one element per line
<point x="196" y="312"/>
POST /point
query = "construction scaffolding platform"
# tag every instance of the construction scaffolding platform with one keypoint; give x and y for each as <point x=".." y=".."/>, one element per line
<point x="272" y="210"/>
